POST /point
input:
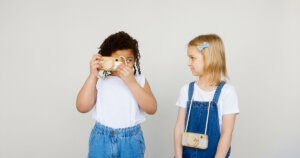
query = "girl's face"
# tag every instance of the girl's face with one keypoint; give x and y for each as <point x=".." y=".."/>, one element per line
<point x="128" y="54"/>
<point x="196" y="61"/>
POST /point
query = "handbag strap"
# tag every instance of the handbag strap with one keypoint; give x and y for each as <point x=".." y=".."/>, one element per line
<point x="188" y="118"/>
<point x="191" y="104"/>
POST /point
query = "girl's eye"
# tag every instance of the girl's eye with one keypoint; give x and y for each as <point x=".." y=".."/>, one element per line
<point x="129" y="60"/>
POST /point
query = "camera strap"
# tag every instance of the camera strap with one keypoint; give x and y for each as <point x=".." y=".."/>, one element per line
<point x="207" y="117"/>
<point x="124" y="59"/>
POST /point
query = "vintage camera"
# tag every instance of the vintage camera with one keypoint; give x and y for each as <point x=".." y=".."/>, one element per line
<point x="195" y="140"/>
<point x="111" y="63"/>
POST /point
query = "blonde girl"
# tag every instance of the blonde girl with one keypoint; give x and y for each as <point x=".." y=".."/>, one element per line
<point x="209" y="105"/>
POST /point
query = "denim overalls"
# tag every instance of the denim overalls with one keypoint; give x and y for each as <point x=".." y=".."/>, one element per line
<point x="197" y="123"/>
<point x="106" y="142"/>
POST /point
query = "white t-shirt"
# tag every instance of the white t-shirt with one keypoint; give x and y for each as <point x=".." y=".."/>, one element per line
<point x="116" y="106"/>
<point x="227" y="104"/>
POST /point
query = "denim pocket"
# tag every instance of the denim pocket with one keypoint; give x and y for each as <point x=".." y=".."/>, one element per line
<point x="141" y="142"/>
<point x="93" y="136"/>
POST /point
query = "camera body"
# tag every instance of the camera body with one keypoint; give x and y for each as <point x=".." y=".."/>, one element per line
<point x="111" y="63"/>
<point x="195" y="140"/>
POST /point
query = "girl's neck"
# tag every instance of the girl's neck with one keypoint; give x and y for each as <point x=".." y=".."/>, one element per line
<point x="205" y="84"/>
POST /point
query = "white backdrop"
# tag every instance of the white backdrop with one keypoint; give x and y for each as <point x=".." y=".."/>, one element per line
<point x="46" y="46"/>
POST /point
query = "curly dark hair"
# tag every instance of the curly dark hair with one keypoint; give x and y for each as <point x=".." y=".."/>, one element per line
<point x="120" y="41"/>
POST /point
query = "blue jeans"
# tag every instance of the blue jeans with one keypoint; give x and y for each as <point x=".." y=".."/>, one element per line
<point x="106" y="142"/>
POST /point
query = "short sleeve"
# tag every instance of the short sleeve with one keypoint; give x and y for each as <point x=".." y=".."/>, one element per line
<point x="183" y="97"/>
<point x="230" y="101"/>
<point x="98" y="83"/>
<point x="141" y="80"/>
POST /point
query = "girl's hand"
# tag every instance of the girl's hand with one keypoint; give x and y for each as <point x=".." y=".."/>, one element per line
<point x="126" y="74"/>
<point x="95" y="65"/>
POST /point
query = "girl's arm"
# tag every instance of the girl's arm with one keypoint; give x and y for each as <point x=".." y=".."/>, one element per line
<point x="226" y="135"/>
<point x="178" y="131"/>
<point x="86" y="98"/>
<point x="143" y="96"/>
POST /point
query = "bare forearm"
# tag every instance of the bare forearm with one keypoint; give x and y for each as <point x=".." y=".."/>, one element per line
<point x="223" y="146"/>
<point x="145" y="100"/>
<point x="87" y="97"/>
<point x="177" y="140"/>
<point x="226" y="135"/>
<point x="178" y="131"/>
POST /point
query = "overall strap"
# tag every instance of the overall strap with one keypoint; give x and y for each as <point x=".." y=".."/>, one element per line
<point x="218" y="92"/>
<point x="191" y="90"/>
<point x="190" y="98"/>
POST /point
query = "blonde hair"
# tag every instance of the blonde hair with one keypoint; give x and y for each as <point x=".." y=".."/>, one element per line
<point x="214" y="57"/>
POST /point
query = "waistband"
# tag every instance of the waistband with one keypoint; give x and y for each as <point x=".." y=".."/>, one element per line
<point x="123" y="132"/>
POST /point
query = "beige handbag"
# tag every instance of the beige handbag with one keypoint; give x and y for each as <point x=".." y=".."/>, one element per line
<point x="195" y="140"/>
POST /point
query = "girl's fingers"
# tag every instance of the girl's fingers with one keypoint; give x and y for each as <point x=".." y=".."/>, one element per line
<point x="94" y="57"/>
<point x="100" y="57"/>
<point x="125" y="73"/>
<point x="122" y="73"/>
<point x="119" y="67"/>
<point x="96" y="61"/>
<point x="97" y="65"/>
<point x="123" y="70"/>
<point x="128" y="68"/>
<point x="120" y="70"/>
<point x="97" y="57"/>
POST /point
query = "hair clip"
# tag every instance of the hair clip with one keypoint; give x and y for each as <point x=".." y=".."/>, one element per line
<point x="205" y="45"/>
